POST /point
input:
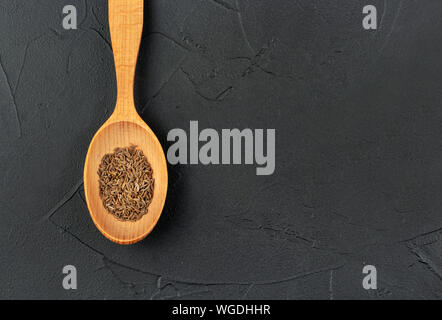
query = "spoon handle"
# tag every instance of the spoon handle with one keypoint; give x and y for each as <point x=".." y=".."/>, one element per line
<point x="126" y="28"/>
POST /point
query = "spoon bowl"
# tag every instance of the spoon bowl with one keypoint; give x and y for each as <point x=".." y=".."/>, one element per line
<point x="121" y="134"/>
<point x="124" y="129"/>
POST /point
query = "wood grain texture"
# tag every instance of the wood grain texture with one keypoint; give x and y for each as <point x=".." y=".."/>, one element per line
<point x="124" y="128"/>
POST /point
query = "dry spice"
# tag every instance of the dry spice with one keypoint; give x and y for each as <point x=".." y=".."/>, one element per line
<point x="126" y="183"/>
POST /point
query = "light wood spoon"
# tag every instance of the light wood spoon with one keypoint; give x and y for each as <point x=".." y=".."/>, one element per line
<point x="125" y="128"/>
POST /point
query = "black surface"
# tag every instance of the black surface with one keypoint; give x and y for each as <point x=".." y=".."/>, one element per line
<point x="359" y="151"/>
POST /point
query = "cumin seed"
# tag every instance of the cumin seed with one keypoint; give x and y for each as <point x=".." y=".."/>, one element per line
<point x="126" y="183"/>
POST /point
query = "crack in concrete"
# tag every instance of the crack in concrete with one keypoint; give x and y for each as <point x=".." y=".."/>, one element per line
<point x="243" y="30"/>
<point x="98" y="33"/>
<point x="424" y="234"/>
<point x="170" y="78"/>
<point x="66" y="198"/>
<point x="12" y="94"/>
<point x="219" y="97"/>
<point x="419" y="246"/>
<point x="168" y="37"/>
<point x="225" y="5"/>
<point x="25" y="55"/>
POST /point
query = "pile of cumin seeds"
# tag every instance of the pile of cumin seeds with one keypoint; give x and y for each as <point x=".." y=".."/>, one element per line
<point x="126" y="183"/>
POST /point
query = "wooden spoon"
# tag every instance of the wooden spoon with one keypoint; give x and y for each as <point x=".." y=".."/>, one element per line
<point x="125" y="128"/>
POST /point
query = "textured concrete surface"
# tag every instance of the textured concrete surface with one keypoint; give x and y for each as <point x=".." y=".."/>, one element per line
<point x="358" y="175"/>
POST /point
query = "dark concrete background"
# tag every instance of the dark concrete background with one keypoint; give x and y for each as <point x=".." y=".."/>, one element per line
<point x="358" y="175"/>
